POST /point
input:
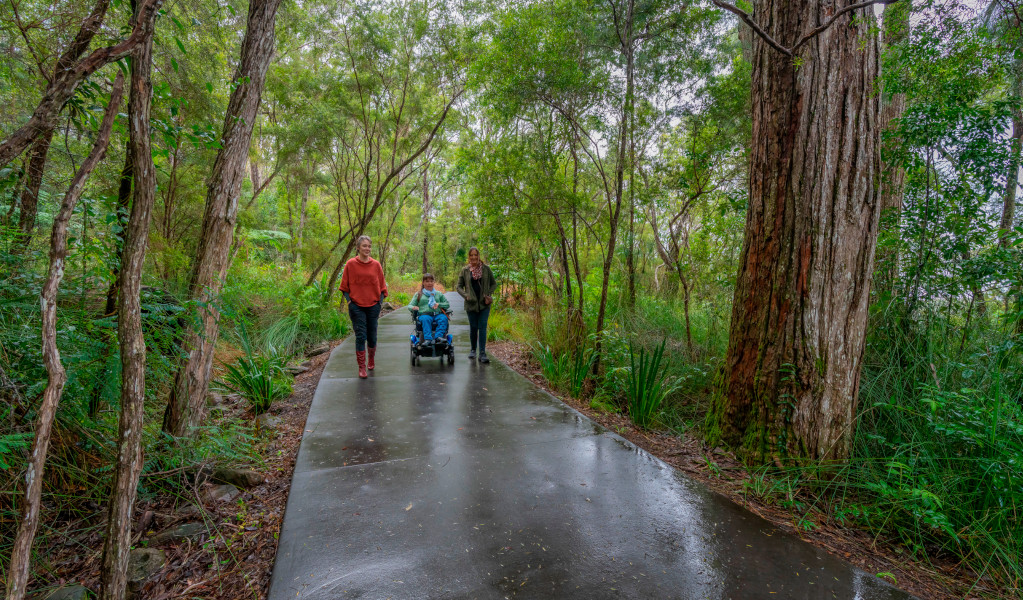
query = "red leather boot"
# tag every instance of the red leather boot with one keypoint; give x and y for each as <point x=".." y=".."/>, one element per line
<point x="360" y="357"/>
<point x="372" y="355"/>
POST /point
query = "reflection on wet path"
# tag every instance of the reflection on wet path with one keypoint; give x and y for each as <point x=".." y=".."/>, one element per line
<point x="465" y="481"/>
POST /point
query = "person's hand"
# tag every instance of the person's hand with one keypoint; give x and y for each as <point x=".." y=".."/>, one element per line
<point x="415" y="309"/>
<point x="487" y="299"/>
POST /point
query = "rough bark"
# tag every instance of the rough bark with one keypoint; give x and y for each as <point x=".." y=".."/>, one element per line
<point x="65" y="82"/>
<point x="132" y="344"/>
<point x="21" y="554"/>
<point x="41" y="146"/>
<point x="188" y="395"/>
<point x="799" y="316"/>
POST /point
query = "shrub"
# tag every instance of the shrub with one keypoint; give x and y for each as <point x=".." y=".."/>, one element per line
<point x="259" y="379"/>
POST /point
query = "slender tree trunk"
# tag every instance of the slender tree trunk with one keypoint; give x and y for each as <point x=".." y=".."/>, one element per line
<point x="893" y="174"/>
<point x="1012" y="181"/>
<point x="1008" y="220"/>
<point x="799" y="318"/>
<point x="33" y="184"/>
<point x="615" y="204"/>
<point x="21" y="555"/>
<point x="128" y="467"/>
<point x="123" y="204"/>
<point x="188" y="396"/>
<point x="301" y="226"/>
<point x="426" y="217"/>
<point x="41" y="146"/>
<point x="632" y="209"/>
<point x="66" y="81"/>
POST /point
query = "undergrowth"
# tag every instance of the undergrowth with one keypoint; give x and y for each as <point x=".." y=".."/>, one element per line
<point x="937" y="462"/>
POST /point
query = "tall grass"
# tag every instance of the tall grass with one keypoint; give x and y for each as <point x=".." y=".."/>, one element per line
<point x="648" y="385"/>
<point x="938" y="453"/>
<point x="565" y="372"/>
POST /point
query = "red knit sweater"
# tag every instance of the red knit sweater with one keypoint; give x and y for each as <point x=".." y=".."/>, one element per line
<point x="364" y="282"/>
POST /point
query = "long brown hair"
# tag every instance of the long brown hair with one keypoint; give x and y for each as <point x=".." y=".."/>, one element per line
<point x="422" y="281"/>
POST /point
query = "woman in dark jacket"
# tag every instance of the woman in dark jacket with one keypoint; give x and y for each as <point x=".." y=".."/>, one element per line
<point x="477" y="285"/>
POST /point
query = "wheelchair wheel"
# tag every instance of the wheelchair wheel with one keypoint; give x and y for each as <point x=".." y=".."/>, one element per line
<point x="412" y="351"/>
<point x="451" y="356"/>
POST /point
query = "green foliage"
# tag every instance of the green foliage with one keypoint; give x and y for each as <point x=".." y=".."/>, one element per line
<point x="647" y="385"/>
<point x="505" y="324"/>
<point x="11" y="447"/>
<point x="259" y="378"/>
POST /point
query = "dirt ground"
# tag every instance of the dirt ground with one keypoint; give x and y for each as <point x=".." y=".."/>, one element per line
<point x="720" y="472"/>
<point x="235" y="558"/>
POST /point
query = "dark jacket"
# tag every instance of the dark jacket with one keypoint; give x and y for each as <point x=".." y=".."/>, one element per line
<point x="488" y="285"/>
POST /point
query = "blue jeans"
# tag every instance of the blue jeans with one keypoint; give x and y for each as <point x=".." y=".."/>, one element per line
<point x="364" y="322"/>
<point x="429" y="321"/>
<point x="478" y="328"/>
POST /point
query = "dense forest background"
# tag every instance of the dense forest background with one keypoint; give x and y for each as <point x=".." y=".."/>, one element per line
<point x="603" y="155"/>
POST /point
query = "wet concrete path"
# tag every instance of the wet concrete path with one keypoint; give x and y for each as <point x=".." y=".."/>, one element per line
<point x="466" y="481"/>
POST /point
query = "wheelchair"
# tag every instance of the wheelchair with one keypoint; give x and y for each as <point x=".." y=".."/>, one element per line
<point x="419" y="348"/>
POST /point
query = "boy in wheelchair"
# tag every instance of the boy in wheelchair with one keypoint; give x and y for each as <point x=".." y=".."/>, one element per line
<point x="429" y="307"/>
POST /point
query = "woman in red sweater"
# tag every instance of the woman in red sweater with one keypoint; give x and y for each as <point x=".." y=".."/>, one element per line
<point x="363" y="285"/>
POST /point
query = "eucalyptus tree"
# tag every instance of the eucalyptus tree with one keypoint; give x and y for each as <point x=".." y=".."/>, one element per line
<point x="589" y="62"/>
<point x="395" y="76"/>
<point x="798" y="326"/>
<point x="188" y="395"/>
<point x="895" y="30"/>
<point x="56" y="374"/>
<point x="951" y="143"/>
<point x="36" y="162"/>
<point x="131" y="341"/>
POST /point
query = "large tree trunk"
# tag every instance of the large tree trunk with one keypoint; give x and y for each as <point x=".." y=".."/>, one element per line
<point x="185" y="407"/>
<point x="893" y="174"/>
<point x="17" y="576"/>
<point x="799" y="317"/>
<point x="128" y="467"/>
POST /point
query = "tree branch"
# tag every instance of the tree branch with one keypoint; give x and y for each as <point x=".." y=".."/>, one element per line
<point x="814" y="33"/>
<point x="745" y="18"/>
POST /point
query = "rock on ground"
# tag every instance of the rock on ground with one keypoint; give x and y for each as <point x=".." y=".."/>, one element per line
<point x="70" y="592"/>
<point x="143" y="563"/>
<point x="193" y="531"/>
